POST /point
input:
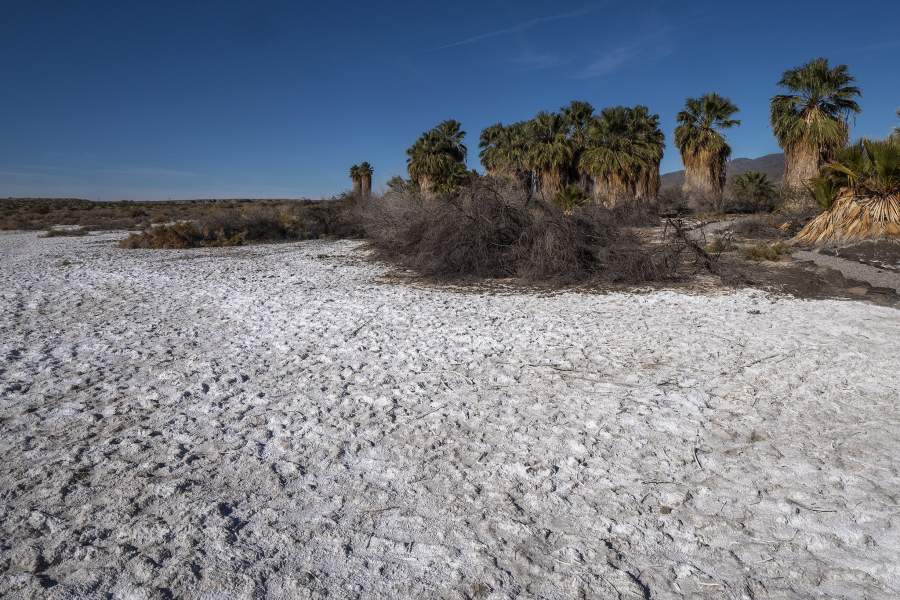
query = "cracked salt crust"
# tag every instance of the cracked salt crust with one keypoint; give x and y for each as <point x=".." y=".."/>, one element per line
<point x="278" y="422"/>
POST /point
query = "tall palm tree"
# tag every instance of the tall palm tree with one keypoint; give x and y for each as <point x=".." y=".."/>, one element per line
<point x="703" y="148"/>
<point x="653" y="143"/>
<point x="578" y="116"/>
<point x="355" y="178"/>
<point x="811" y="122"/>
<point x="501" y="150"/>
<point x="365" y="176"/>
<point x="436" y="161"/>
<point x="549" y="152"/>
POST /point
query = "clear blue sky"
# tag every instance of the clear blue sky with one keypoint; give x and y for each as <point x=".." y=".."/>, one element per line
<point x="152" y="100"/>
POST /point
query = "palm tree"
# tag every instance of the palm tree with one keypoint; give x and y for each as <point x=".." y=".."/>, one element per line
<point x="703" y="148"/>
<point x="896" y="134"/>
<point x="570" y="198"/>
<point x="436" y="161"/>
<point x="623" y="152"/>
<point x="611" y="157"/>
<point x="356" y="179"/>
<point x="396" y="184"/>
<point x="754" y="188"/>
<point x="865" y="182"/>
<point x="653" y="141"/>
<point x="365" y="176"/>
<point x="811" y="122"/>
<point x="549" y="152"/>
<point x="501" y="150"/>
<point x="578" y="116"/>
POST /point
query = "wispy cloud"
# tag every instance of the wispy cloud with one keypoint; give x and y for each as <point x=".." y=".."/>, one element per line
<point x="615" y="58"/>
<point x="609" y="61"/>
<point x="515" y="28"/>
<point x="535" y="61"/>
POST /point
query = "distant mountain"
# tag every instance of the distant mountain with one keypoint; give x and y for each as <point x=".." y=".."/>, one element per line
<point x="770" y="164"/>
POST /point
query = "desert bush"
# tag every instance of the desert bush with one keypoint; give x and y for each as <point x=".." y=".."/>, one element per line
<point x="759" y="226"/>
<point x="492" y="228"/>
<point x="321" y="218"/>
<point x="231" y="226"/>
<point x="720" y="244"/>
<point x="751" y="192"/>
<point x="672" y="202"/>
<point x="767" y="252"/>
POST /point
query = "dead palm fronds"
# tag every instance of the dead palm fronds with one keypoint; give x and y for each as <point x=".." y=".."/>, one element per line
<point x="866" y="177"/>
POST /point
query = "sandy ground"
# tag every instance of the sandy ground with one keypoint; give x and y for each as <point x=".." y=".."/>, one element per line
<point x="282" y="422"/>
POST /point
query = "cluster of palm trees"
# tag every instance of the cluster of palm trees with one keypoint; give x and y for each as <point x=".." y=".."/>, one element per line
<point x="361" y="176"/>
<point x="612" y="155"/>
<point x="810" y="122"/>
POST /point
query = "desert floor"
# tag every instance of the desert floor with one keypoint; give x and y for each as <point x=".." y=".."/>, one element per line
<point x="286" y="421"/>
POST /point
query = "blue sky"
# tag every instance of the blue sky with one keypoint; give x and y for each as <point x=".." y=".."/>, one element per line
<point x="155" y="100"/>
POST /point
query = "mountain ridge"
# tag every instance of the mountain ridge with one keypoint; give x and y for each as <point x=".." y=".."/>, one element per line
<point x="770" y="164"/>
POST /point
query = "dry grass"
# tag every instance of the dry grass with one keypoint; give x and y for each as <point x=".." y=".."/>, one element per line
<point x="36" y="214"/>
<point x="767" y="252"/>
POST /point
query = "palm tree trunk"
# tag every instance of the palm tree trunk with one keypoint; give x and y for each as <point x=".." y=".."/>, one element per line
<point x="551" y="183"/>
<point x="619" y="192"/>
<point x="366" y="186"/>
<point x="611" y="192"/>
<point x="357" y="187"/>
<point x="427" y="187"/>
<point x="704" y="181"/>
<point x="647" y="189"/>
<point x="801" y="163"/>
<point x="601" y="191"/>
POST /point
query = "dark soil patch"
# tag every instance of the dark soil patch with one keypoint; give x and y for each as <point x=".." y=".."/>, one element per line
<point x="882" y="254"/>
<point x="806" y="279"/>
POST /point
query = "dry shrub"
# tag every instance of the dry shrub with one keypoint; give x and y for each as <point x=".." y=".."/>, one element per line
<point x="321" y="217"/>
<point x="173" y="235"/>
<point x="492" y="229"/>
<point x="672" y="202"/>
<point x="720" y="244"/>
<point x="767" y="252"/>
<point x="233" y="226"/>
<point x="759" y="226"/>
